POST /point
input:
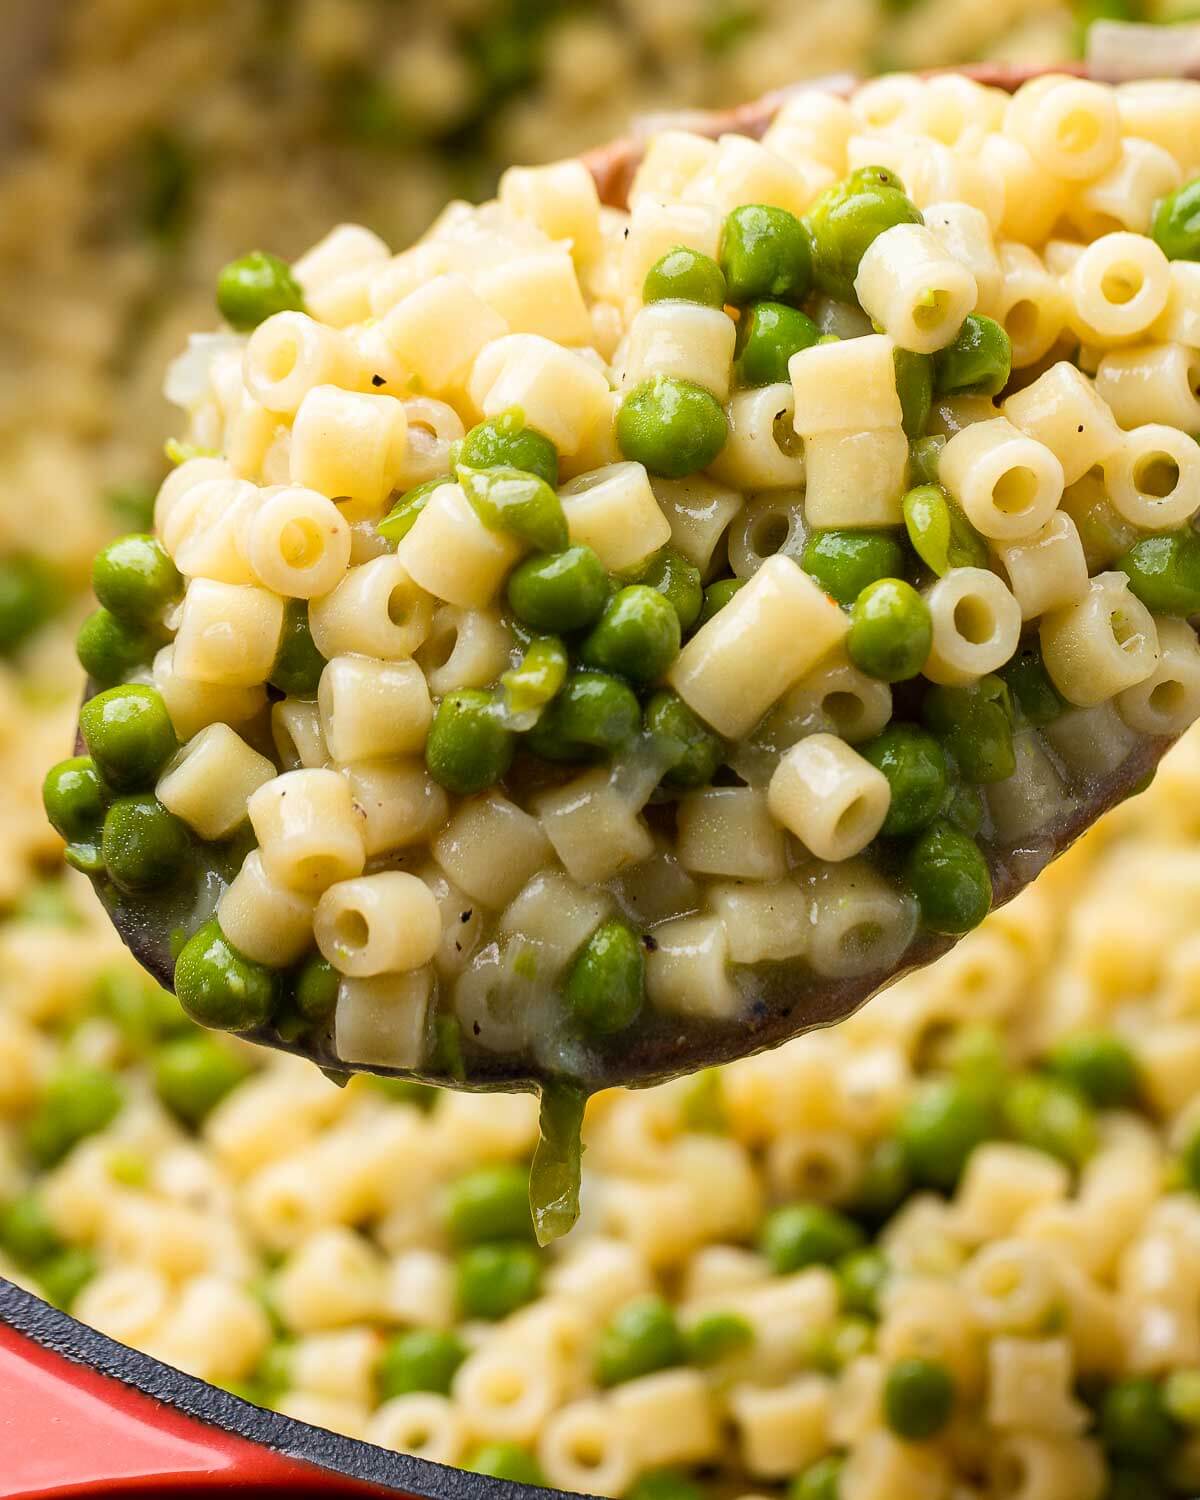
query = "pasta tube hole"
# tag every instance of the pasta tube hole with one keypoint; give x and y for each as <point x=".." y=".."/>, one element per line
<point x="351" y="930"/>
<point x="787" y="439"/>
<point x="1021" y="321"/>
<point x="1121" y="284"/>
<point x="281" y="358"/>
<point x="302" y="543"/>
<point x="1078" y="131"/>
<point x="861" y="941"/>
<point x="1168" y="698"/>
<point x="770" y="533"/>
<point x="1156" y="475"/>
<point x="439" y="648"/>
<point x="931" y="309"/>
<point x="974" y="620"/>
<point x="1015" y="491"/>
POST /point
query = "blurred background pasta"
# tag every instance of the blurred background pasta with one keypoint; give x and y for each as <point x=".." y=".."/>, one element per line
<point x="193" y="1199"/>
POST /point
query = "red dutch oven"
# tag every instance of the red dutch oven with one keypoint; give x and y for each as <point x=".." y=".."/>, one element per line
<point x="81" y="1415"/>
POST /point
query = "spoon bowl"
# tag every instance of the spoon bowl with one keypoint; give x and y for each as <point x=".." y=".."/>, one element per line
<point x="777" y="1008"/>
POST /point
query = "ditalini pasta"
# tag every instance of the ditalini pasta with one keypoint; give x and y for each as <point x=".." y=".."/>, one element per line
<point x="702" y="562"/>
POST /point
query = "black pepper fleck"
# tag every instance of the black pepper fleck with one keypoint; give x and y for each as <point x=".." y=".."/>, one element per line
<point x="649" y="943"/>
<point x="378" y="380"/>
<point x="466" y="915"/>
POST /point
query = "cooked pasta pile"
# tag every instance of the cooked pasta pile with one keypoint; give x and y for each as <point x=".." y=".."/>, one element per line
<point x="593" y="623"/>
<point x="164" y="138"/>
<point x="1010" y="1135"/>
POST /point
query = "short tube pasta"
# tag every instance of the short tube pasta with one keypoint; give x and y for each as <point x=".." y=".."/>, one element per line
<point x="1008" y="484"/>
<point x="1168" y="700"/>
<point x="1153" y="477"/>
<point x="976" y="625"/>
<point x="682" y="340"/>
<point x="829" y="797"/>
<point x="452" y="555"/>
<point x="1100" y="645"/>
<point x="263" y="919"/>
<point x="1152" y="383"/>
<point x="372" y="709"/>
<point x="348" y="445"/>
<point x="1047" y="571"/>
<point x="379" y="924"/>
<point x="378" y="610"/>
<point x="914" y="290"/>
<point x="290" y="355"/>
<point x="762" y="451"/>
<point x="1118" y="287"/>
<point x="298" y="544"/>
<point x="615" y="511"/>
<point x="308" y="830"/>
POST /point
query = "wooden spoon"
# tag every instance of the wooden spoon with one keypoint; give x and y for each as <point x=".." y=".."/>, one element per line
<point x="662" y="1046"/>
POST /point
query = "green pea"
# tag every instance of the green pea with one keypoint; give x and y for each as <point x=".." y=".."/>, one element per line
<point x="594" y="712"/>
<point x="135" y="579"/>
<point x="65" y="1275"/>
<point x="558" y="591"/>
<point x="144" y="846"/>
<point x="539" y="675"/>
<point x="700" y="751"/>
<point x="255" y="288"/>
<point x="1175" y="227"/>
<point x="807" y="1234"/>
<point x="950" y="879"/>
<point x="768" y="334"/>
<point x="298" y="664"/>
<point x="671" y="426"/>
<point x="843" y="563"/>
<point x="605" y="984"/>
<point x="78" y="1101"/>
<point x="884" y="1182"/>
<point x="940" y="534"/>
<point x="890" y="631"/>
<point x="26" y="1230"/>
<point x="507" y="499"/>
<point x="717" y="596"/>
<point x="977" y="363"/>
<point x="963" y="808"/>
<point x="915" y="766"/>
<point x="861" y="1277"/>
<point x="504" y="442"/>
<point x="844" y="223"/>
<point x="494" y="1280"/>
<point x="974" y="723"/>
<point x="1190" y="1161"/>
<point x="638" y="1339"/>
<point x="1036" y="698"/>
<point x="943" y="1122"/>
<point x="74" y="798"/>
<point x="489" y="1204"/>
<point x="1134" y="1422"/>
<point x="1181" y="1397"/>
<point x="129" y="734"/>
<point x="192" y="1074"/>
<point x="679" y="580"/>
<point x="664" y="1484"/>
<point x="716" y="1336"/>
<point x="914" y="386"/>
<point x="924" y="455"/>
<point x="1106" y="535"/>
<point x="220" y="987"/>
<point x="506" y="1461"/>
<point x="765" y="252"/>
<point x="420" y="1359"/>
<point x="110" y="650"/>
<point x="637" y="636"/>
<point x="402" y="517"/>
<point x="30" y="594"/>
<point x="1164" y="571"/>
<point x="469" y="747"/>
<point x="918" y="1398"/>
<point x="1099" y="1065"/>
<point x="683" y="275"/>
<point x="316" y="988"/>
<point x="820" y="1481"/>
<point x="1052" y="1116"/>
